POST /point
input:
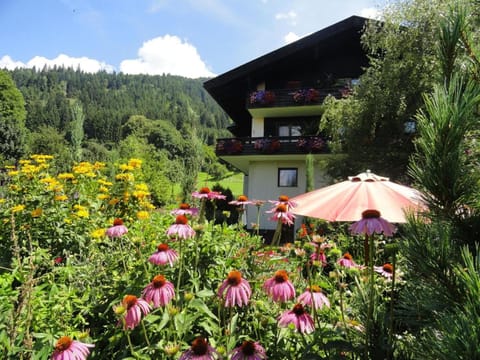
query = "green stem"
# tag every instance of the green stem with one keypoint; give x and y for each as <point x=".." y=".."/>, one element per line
<point x="371" y="296"/>
<point x="145" y="333"/>
<point x="390" y="335"/>
<point x="180" y="269"/>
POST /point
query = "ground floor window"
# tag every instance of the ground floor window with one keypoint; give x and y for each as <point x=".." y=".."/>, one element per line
<point x="287" y="177"/>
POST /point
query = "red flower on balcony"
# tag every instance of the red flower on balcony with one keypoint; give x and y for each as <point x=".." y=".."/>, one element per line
<point x="231" y="146"/>
<point x="262" y="97"/>
<point x="312" y="144"/>
<point x="267" y="145"/>
<point x="306" y="96"/>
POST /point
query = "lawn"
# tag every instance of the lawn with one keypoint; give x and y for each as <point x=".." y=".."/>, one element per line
<point x="234" y="182"/>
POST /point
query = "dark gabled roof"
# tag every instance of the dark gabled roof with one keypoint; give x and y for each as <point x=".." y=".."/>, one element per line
<point x="340" y="39"/>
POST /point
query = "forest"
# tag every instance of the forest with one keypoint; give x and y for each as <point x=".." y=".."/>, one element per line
<point x="106" y="116"/>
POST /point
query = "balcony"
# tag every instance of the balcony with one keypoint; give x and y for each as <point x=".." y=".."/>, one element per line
<point x="290" y="102"/>
<point x="239" y="152"/>
<point x="272" y="145"/>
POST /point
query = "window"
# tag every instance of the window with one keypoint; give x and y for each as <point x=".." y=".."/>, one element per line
<point x="287" y="177"/>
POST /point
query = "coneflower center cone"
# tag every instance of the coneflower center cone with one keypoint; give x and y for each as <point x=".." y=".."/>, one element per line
<point x="298" y="309"/>
<point x="158" y="281"/>
<point x="281" y="276"/>
<point x="63" y="343"/>
<point x="248" y="348"/>
<point x="234" y="277"/>
<point x="129" y="301"/>
<point x="200" y="346"/>
<point x="181" y="219"/>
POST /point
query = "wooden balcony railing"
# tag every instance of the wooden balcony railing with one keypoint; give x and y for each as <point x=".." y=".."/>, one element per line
<point x="272" y="145"/>
<point x="292" y="97"/>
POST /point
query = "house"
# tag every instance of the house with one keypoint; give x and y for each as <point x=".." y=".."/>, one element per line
<point x="275" y="102"/>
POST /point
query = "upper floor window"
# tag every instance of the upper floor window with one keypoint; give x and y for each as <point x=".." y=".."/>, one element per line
<point x="289" y="130"/>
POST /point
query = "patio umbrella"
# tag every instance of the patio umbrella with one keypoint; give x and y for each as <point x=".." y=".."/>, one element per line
<point x="345" y="201"/>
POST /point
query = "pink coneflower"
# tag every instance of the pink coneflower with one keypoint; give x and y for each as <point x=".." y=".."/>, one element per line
<point x="242" y="200"/>
<point x="280" y="212"/>
<point x="181" y="228"/>
<point x="68" y="349"/>
<point x="314" y="297"/>
<point x="159" y="292"/>
<point x="386" y="270"/>
<point x="284" y="199"/>
<point x="134" y="307"/>
<point x="299" y="317"/>
<point x="249" y="350"/>
<point x="163" y="255"/>
<point x="319" y="255"/>
<point x="200" y="350"/>
<point x="279" y="287"/>
<point x="117" y="230"/>
<point x="347" y="261"/>
<point x="205" y="193"/>
<point x="371" y="223"/>
<point x="185" y="209"/>
<point x="237" y="290"/>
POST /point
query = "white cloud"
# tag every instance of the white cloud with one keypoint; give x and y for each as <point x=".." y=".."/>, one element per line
<point x="167" y="55"/>
<point x="290" y="37"/>
<point x="289" y="16"/>
<point x="39" y="62"/>
<point x="370" y="13"/>
<point x="6" y="62"/>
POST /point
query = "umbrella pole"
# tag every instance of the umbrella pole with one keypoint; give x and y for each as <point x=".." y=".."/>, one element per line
<point x="366" y="249"/>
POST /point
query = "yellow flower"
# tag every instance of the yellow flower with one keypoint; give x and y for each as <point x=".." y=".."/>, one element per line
<point x="114" y="201"/>
<point x="98" y="233"/>
<point x="82" y="213"/>
<point x="41" y="157"/>
<point x="83" y="168"/>
<point x="104" y="189"/>
<point x="140" y="194"/>
<point x="66" y="176"/>
<point x="9" y="167"/>
<point x="2" y="200"/>
<point x="37" y="212"/>
<point x="142" y="215"/>
<point x="60" y="197"/>
<point x="104" y="182"/>
<point x="67" y="221"/>
<point x="47" y="180"/>
<point x="126" y="167"/>
<point x="98" y="165"/>
<point x="126" y="196"/>
<point x="24" y="162"/>
<point x="13" y="173"/>
<point x="103" y="196"/>
<point x="135" y="163"/>
<point x="125" y="177"/>
<point x="141" y="187"/>
<point x="18" y="208"/>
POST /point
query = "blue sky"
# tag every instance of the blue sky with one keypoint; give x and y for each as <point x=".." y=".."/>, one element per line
<point x="191" y="38"/>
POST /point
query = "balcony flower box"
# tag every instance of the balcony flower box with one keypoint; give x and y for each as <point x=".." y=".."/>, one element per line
<point x="306" y="96"/>
<point x="313" y="144"/>
<point x="262" y="97"/>
<point x="230" y="147"/>
<point x="267" y="145"/>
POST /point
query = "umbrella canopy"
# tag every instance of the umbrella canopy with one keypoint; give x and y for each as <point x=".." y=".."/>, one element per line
<point x="345" y="201"/>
